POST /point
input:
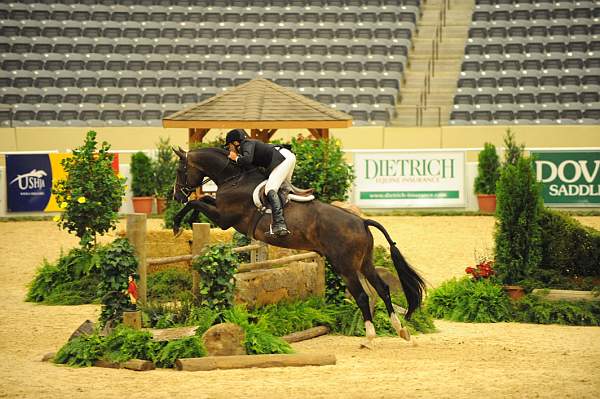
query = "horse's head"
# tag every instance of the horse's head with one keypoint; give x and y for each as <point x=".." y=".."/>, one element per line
<point x="184" y="185"/>
<point x="195" y="166"/>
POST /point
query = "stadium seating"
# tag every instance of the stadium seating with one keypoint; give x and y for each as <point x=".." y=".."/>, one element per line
<point x="126" y="62"/>
<point x="530" y="62"/>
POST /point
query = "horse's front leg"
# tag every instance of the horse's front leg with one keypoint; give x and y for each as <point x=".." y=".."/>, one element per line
<point x="205" y="205"/>
<point x="179" y="217"/>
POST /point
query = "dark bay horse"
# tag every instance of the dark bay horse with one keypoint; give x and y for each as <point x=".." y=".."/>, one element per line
<point x="340" y="236"/>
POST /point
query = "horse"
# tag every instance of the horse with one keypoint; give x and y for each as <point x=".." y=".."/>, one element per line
<point x="343" y="238"/>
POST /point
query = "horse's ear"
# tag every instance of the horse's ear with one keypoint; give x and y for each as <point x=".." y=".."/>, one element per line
<point x="180" y="153"/>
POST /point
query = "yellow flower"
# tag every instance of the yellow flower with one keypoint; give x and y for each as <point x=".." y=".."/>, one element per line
<point x="81" y="200"/>
<point x="63" y="205"/>
<point x="68" y="197"/>
<point x="56" y="218"/>
<point x="126" y="188"/>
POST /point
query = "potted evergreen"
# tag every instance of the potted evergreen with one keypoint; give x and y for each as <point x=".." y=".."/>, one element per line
<point x="143" y="183"/>
<point x="165" y="173"/>
<point x="488" y="175"/>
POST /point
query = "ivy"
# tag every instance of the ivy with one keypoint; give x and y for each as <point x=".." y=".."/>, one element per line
<point x="216" y="267"/>
<point x="118" y="263"/>
<point x="179" y="349"/>
<point x="91" y="194"/>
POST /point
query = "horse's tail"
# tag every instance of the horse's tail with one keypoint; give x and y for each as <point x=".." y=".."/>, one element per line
<point x="412" y="284"/>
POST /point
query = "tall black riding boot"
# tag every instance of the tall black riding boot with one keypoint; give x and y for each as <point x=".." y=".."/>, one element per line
<point x="279" y="227"/>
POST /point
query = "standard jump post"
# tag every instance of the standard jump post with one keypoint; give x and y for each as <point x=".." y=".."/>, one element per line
<point x="200" y="238"/>
<point x="136" y="234"/>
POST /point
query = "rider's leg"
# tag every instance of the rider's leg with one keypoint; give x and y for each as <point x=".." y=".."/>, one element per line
<point x="276" y="178"/>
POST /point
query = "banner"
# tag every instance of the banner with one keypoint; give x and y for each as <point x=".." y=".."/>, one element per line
<point x="29" y="181"/>
<point x="569" y="178"/>
<point x="409" y="179"/>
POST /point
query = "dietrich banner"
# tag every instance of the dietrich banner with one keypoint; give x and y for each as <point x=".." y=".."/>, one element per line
<point x="569" y="178"/>
<point x="409" y="179"/>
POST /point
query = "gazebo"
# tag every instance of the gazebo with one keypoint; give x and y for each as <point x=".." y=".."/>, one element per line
<point x="260" y="106"/>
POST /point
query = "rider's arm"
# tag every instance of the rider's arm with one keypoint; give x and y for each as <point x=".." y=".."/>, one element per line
<point x="246" y="154"/>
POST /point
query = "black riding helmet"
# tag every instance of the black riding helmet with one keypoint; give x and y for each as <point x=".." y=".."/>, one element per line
<point x="235" y="135"/>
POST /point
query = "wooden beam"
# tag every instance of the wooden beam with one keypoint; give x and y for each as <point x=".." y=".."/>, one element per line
<point x="196" y="135"/>
<point x="249" y="361"/>
<point x="306" y="334"/>
<point x="270" y="134"/>
<point x="269" y="264"/>
<point x="257" y="124"/>
<point x="316" y="133"/>
<point x="566" y="295"/>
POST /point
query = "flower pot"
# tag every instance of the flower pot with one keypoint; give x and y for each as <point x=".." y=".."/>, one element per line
<point x="161" y="205"/>
<point x="142" y="204"/>
<point x="515" y="292"/>
<point x="487" y="202"/>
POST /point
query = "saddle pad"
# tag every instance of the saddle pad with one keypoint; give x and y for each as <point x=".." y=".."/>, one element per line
<point x="259" y="194"/>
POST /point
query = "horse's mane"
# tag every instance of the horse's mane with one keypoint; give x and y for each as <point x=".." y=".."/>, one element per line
<point x="210" y="149"/>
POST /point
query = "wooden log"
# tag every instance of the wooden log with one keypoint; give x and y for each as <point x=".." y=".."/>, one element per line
<point x="48" y="357"/>
<point x="200" y="238"/>
<point x="261" y="361"/>
<point x="136" y="234"/>
<point x="567" y="295"/>
<point x="169" y="259"/>
<point x="269" y="264"/>
<point x="306" y="334"/>
<point x="170" y="334"/>
<point x="247" y="248"/>
<point x="133" y="319"/>
<point x="138" y="365"/>
<point x="107" y="364"/>
<point x="86" y="328"/>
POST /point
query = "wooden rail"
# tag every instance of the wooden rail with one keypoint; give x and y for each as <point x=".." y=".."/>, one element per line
<point x="269" y="264"/>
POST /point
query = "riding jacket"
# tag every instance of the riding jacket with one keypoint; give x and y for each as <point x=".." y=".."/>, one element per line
<point x="257" y="153"/>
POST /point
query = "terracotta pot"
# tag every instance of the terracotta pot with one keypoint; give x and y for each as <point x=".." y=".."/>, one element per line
<point x="515" y="292"/>
<point x="161" y="205"/>
<point x="142" y="204"/>
<point x="487" y="202"/>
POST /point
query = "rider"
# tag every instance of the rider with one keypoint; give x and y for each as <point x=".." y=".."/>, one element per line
<point x="279" y="163"/>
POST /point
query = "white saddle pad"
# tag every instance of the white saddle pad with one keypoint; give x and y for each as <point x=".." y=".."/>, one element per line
<point x="291" y="197"/>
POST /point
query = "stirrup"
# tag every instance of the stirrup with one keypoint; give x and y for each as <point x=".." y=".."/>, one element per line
<point x="281" y="233"/>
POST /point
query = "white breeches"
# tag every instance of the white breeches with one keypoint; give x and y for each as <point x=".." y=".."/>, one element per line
<point x="282" y="172"/>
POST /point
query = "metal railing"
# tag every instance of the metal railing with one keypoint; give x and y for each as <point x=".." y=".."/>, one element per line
<point x="419" y="115"/>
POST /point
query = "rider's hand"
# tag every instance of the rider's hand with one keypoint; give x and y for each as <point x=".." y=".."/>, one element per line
<point x="233" y="156"/>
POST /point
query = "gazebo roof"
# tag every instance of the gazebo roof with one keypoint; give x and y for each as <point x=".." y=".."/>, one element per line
<point x="259" y="104"/>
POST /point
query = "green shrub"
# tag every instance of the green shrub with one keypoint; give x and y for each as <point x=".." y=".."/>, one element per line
<point x="165" y="169"/>
<point x="143" y="181"/>
<point x="320" y="165"/>
<point x="118" y="263"/>
<point x="518" y="233"/>
<point x="488" y="170"/>
<point x="168" y="284"/>
<point x="125" y="343"/>
<point x="170" y="314"/>
<point x="91" y="194"/>
<point x="466" y="300"/>
<point x="382" y="258"/>
<point x="569" y="247"/>
<point x="178" y="349"/>
<point x="241" y="240"/>
<point x="216" y="267"/>
<point x="81" y="351"/>
<point x="535" y="309"/>
<point x="258" y="338"/>
<point x="335" y="288"/>
<point x="512" y="151"/>
<point x="77" y="292"/>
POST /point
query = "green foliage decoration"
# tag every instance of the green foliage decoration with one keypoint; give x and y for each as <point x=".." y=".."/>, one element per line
<point x="81" y="351"/>
<point x="568" y="247"/>
<point x="488" y="170"/>
<point x="320" y="165"/>
<point x="177" y="349"/>
<point x="517" y="233"/>
<point x="512" y="151"/>
<point x="535" y="309"/>
<point x="165" y="168"/>
<point x="91" y="194"/>
<point x="258" y="339"/>
<point x="335" y="288"/>
<point x="118" y="263"/>
<point x="125" y="343"/>
<point x="168" y="284"/>
<point x="467" y="300"/>
<point x="383" y="258"/>
<point x="143" y="182"/>
<point x="216" y="266"/>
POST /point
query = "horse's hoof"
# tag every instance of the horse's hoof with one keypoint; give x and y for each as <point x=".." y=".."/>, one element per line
<point x="177" y="231"/>
<point x="367" y="345"/>
<point x="404" y="334"/>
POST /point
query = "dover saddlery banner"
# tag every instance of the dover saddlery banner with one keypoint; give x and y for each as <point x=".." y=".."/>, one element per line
<point x="394" y="179"/>
<point x="568" y="178"/>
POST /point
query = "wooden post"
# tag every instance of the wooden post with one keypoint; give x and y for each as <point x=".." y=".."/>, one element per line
<point x="136" y="234"/>
<point x="260" y="254"/>
<point x="200" y="238"/>
<point x="133" y="319"/>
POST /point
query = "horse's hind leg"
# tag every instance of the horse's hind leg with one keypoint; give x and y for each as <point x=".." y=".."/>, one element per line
<point x="362" y="300"/>
<point x="383" y="291"/>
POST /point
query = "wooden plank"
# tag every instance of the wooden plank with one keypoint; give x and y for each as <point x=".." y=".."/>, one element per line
<point x="306" y="334"/>
<point x="107" y="364"/>
<point x="269" y="264"/>
<point x="169" y="334"/>
<point x="567" y="295"/>
<point x="246" y="248"/>
<point x="249" y="361"/>
<point x="169" y="259"/>
<point x="138" y="365"/>
<point x="257" y="124"/>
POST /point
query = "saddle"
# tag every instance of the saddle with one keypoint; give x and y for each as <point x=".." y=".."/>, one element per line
<point x="287" y="192"/>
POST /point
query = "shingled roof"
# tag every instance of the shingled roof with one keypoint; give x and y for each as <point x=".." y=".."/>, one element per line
<point x="259" y="104"/>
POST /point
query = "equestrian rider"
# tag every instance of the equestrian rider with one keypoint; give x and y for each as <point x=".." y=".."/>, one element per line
<point x="279" y="163"/>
